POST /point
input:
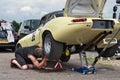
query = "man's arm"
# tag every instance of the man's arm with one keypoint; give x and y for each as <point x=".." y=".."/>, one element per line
<point x="35" y="61"/>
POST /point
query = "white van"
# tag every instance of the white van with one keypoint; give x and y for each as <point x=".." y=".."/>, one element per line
<point x="28" y="26"/>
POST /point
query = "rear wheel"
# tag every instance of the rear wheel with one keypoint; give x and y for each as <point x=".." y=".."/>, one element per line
<point x="109" y="51"/>
<point x="66" y="56"/>
<point x="52" y="49"/>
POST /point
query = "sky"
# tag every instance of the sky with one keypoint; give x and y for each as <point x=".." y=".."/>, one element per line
<point x="20" y="10"/>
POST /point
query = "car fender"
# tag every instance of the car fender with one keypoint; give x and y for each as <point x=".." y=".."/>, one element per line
<point x="63" y="26"/>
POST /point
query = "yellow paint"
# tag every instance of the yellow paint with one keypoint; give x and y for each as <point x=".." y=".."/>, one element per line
<point x="67" y="52"/>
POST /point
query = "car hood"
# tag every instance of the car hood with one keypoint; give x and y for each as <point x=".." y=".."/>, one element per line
<point x="84" y="8"/>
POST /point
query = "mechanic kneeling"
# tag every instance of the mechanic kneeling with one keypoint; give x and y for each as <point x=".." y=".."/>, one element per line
<point x="26" y="58"/>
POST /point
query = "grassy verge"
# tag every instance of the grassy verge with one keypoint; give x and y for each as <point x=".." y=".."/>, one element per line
<point x="103" y="62"/>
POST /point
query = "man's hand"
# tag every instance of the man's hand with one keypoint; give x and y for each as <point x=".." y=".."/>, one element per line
<point x="35" y="62"/>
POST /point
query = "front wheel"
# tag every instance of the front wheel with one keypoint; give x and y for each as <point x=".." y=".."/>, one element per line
<point x="65" y="56"/>
<point x="52" y="49"/>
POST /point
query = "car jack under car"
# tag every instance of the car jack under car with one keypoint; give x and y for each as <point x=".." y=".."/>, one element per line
<point x="86" y="68"/>
<point x="91" y="68"/>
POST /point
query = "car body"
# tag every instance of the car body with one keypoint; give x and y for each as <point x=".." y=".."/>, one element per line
<point x="28" y="26"/>
<point x="81" y="28"/>
<point x="4" y="42"/>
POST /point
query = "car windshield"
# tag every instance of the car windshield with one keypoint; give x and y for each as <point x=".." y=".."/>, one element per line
<point x="35" y="23"/>
<point x="3" y="34"/>
<point x="60" y="14"/>
<point x="48" y="17"/>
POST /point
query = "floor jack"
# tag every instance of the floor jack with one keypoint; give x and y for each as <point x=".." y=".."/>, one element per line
<point x="90" y="69"/>
<point x="84" y="69"/>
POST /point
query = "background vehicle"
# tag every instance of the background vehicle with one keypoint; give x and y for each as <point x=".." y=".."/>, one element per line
<point x="81" y="28"/>
<point x="116" y="15"/>
<point x="5" y="43"/>
<point x="117" y="50"/>
<point x="28" y="26"/>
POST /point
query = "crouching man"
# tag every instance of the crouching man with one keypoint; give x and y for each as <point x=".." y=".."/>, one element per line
<point x="26" y="58"/>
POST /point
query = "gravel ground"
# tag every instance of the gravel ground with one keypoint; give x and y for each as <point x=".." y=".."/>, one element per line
<point x="112" y="62"/>
<point x="104" y="72"/>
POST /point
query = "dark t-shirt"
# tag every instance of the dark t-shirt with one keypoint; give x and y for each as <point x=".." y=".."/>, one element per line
<point x="23" y="52"/>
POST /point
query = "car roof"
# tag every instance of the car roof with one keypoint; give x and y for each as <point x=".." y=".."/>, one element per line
<point x="55" y="12"/>
<point x="31" y="19"/>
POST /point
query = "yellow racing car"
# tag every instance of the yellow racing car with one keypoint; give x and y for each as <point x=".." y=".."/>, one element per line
<point x="79" y="27"/>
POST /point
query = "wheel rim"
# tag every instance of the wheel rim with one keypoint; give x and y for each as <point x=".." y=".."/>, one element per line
<point x="47" y="45"/>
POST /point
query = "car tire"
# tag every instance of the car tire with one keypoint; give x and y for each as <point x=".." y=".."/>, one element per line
<point x="65" y="58"/>
<point x="52" y="49"/>
<point x="108" y="53"/>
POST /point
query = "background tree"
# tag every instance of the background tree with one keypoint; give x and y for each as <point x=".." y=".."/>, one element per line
<point x="16" y="25"/>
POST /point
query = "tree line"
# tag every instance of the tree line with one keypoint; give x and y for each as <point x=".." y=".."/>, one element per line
<point x="16" y="25"/>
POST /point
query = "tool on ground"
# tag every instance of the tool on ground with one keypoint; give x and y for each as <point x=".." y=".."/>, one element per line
<point x="58" y="67"/>
<point x="86" y="68"/>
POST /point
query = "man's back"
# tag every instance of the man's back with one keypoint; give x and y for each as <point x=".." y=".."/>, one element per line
<point x="25" y="51"/>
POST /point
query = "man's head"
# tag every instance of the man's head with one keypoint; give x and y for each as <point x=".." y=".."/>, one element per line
<point x="39" y="52"/>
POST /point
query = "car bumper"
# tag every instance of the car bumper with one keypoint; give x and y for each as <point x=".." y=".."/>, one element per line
<point x="9" y="45"/>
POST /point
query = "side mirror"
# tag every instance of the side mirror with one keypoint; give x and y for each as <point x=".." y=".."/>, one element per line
<point x="118" y="1"/>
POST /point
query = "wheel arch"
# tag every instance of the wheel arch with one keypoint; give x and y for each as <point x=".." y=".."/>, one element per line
<point x="18" y="46"/>
<point x="49" y="32"/>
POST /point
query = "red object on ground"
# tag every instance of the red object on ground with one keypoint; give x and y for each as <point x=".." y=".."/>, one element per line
<point x="58" y="65"/>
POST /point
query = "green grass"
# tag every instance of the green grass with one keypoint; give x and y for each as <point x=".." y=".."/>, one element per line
<point x="104" y="62"/>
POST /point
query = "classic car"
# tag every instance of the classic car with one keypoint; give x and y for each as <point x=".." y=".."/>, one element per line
<point x="78" y="27"/>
